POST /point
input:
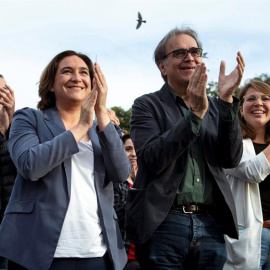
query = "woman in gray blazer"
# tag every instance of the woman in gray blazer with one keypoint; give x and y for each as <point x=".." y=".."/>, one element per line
<point x="60" y="215"/>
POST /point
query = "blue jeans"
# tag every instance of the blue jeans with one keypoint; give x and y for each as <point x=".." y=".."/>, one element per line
<point x="184" y="242"/>
<point x="265" y="249"/>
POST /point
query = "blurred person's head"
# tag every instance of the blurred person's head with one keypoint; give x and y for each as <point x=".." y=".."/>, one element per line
<point x="254" y="114"/>
<point x="129" y="148"/>
<point x="48" y="77"/>
<point x="124" y="132"/>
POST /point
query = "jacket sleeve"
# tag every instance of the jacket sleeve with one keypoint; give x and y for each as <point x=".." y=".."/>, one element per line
<point x="2" y="139"/>
<point x="8" y="173"/>
<point x="32" y="158"/>
<point x="117" y="164"/>
<point x="252" y="168"/>
<point x="228" y="146"/>
<point x="158" y="147"/>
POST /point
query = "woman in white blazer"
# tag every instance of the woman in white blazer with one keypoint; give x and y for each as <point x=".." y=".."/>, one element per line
<point x="250" y="182"/>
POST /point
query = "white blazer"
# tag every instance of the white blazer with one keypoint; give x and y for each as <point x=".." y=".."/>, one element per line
<point x="245" y="253"/>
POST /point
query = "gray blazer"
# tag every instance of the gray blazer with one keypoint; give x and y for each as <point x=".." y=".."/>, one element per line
<point x="41" y="149"/>
<point x="161" y="137"/>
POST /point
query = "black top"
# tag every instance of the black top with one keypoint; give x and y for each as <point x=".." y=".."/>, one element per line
<point x="264" y="186"/>
<point x="8" y="174"/>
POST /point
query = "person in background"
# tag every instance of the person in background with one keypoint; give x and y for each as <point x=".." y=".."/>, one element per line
<point x="131" y="153"/>
<point x="250" y="183"/>
<point x="115" y="120"/>
<point x="121" y="189"/>
<point x="60" y="214"/>
<point x="181" y="204"/>
<point x="121" y="192"/>
<point x="7" y="169"/>
<point x="113" y="117"/>
<point x="120" y="198"/>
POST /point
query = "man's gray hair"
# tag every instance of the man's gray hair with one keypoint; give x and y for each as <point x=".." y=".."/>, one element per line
<point x="160" y="51"/>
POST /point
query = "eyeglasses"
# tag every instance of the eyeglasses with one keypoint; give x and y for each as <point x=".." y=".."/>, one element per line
<point x="252" y="98"/>
<point x="182" y="53"/>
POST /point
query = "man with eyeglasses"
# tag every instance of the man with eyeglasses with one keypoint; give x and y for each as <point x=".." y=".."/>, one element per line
<point x="181" y="203"/>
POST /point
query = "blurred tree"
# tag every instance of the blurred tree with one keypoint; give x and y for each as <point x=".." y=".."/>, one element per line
<point x="123" y="116"/>
<point x="263" y="77"/>
<point x="211" y="89"/>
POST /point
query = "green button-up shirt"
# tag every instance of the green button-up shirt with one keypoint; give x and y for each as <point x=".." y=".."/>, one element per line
<point x="197" y="185"/>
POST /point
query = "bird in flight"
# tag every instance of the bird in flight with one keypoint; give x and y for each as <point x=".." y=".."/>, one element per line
<point x="140" y="20"/>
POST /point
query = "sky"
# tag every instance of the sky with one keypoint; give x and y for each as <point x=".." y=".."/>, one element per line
<point x="32" y="32"/>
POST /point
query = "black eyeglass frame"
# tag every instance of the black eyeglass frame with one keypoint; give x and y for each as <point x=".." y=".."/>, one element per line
<point x="187" y="51"/>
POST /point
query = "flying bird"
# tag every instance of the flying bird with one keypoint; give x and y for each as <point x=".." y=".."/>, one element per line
<point x="140" y="20"/>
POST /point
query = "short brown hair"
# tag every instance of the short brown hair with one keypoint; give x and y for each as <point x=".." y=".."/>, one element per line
<point x="47" y="98"/>
<point x="160" y="51"/>
<point x="247" y="131"/>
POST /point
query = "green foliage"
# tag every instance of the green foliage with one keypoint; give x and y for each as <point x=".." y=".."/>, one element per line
<point x="212" y="89"/>
<point x="123" y="116"/>
<point x="263" y="77"/>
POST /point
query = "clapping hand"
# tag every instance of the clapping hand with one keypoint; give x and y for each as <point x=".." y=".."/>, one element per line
<point x="227" y="84"/>
<point x="87" y="109"/>
<point x="133" y="172"/>
<point x="100" y="86"/>
<point x="7" y="107"/>
<point x="196" y="91"/>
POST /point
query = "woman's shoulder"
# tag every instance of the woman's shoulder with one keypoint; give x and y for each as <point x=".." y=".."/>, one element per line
<point x="27" y="110"/>
<point x="28" y="114"/>
<point x="247" y="143"/>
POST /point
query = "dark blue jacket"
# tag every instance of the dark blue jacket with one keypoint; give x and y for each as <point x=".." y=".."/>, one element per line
<point x="7" y="174"/>
<point x="41" y="149"/>
<point x="161" y="136"/>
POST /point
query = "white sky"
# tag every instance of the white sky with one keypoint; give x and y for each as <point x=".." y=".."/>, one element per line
<point x="33" y="32"/>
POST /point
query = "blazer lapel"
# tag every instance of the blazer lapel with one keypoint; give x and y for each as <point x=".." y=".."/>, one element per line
<point x="55" y="124"/>
<point x="174" y="113"/>
<point x="253" y="188"/>
<point x="169" y="103"/>
<point x="53" y="121"/>
<point x="98" y="158"/>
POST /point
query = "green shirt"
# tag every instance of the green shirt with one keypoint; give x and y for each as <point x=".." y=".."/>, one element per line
<point x="197" y="184"/>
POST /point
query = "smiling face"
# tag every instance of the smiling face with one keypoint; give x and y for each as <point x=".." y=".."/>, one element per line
<point x="179" y="71"/>
<point x="130" y="150"/>
<point x="255" y="109"/>
<point x="72" y="81"/>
